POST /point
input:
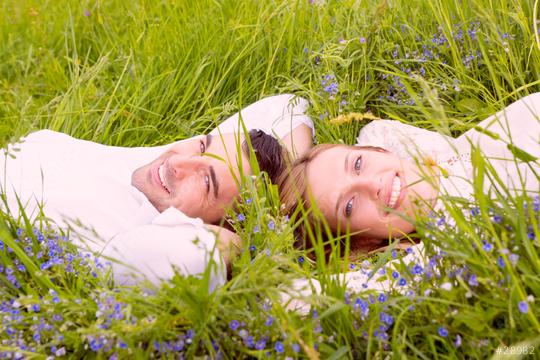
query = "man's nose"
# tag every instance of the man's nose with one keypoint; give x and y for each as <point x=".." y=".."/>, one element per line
<point x="185" y="166"/>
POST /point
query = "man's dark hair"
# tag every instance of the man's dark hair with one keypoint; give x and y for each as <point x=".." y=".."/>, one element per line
<point x="269" y="153"/>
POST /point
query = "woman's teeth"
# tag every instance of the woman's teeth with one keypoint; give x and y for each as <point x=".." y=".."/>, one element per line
<point x="161" y="173"/>
<point x="396" y="190"/>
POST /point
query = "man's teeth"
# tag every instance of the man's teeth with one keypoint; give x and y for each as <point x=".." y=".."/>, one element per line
<point x="161" y="173"/>
<point x="396" y="190"/>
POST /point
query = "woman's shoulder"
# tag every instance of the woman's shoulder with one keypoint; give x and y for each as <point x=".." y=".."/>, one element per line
<point x="404" y="140"/>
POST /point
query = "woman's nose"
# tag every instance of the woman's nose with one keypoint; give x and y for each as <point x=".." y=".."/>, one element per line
<point x="369" y="185"/>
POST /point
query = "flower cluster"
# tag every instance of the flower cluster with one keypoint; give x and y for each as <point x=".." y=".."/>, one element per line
<point x="261" y="332"/>
<point x="425" y="60"/>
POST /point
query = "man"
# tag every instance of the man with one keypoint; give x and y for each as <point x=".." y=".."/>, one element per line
<point x="151" y="206"/>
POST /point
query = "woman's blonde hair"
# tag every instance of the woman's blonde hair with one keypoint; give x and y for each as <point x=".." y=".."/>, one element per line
<point x="295" y="195"/>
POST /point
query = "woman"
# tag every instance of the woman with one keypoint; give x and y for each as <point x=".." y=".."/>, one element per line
<point x="376" y="190"/>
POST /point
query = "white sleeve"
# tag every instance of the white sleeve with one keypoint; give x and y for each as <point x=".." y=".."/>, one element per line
<point x="406" y="141"/>
<point x="361" y="280"/>
<point x="154" y="251"/>
<point x="275" y="115"/>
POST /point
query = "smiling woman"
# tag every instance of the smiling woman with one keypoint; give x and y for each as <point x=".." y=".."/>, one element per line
<point x="369" y="186"/>
<point x="378" y="189"/>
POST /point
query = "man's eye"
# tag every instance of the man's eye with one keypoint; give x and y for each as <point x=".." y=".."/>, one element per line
<point x="207" y="183"/>
<point x="358" y="163"/>
<point x="348" y="208"/>
<point x="202" y="146"/>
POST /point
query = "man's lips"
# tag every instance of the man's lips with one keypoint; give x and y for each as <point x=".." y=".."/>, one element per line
<point x="154" y="171"/>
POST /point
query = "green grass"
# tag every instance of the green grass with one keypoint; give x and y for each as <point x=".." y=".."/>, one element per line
<point x="147" y="73"/>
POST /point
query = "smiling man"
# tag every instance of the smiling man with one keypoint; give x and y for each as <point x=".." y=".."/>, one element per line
<point x="200" y="177"/>
<point x="151" y="206"/>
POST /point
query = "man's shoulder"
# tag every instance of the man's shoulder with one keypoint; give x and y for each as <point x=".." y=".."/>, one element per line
<point x="45" y="134"/>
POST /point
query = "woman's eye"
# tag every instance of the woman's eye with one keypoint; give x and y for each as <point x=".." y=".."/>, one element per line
<point x="358" y="163"/>
<point x="348" y="208"/>
<point x="202" y="147"/>
<point x="207" y="183"/>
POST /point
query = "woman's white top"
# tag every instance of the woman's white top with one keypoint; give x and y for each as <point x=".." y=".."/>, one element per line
<point x="86" y="187"/>
<point x="519" y="123"/>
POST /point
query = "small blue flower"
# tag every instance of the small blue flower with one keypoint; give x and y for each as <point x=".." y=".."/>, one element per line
<point x="271" y="225"/>
<point x="457" y="343"/>
<point x="442" y="331"/>
<point x="475" y="211"/>
<point x="234" y="324"/>
<point x="497" y="219"/>
<point x="362" y="40"/>
<point x="500" y="262"/>
<point x="362" y="306"/>
<point x="382" y="297"/>
<point x="395" y="274"/>
<point x="249" y="201"/>
<point x="295" y="348"/>
<point x="523" y="306"/>
<point x="386" y="318"/>
<point x="473" y="281"/>
<point x="269" y="321"/>
<point x="249" y="341"/>
<point x="256" y="229"/>
<point x="394" y="254"/>
<point x="417" y="269"/>
<point x="252" y="248"/>
<point x="279" y="347"/>
<point x="301" y="259"/>
<point x="402" y="282"/>
<point x="260" y="345"/>
<point x="487" y="247"/>
<point x="240" y="217"/>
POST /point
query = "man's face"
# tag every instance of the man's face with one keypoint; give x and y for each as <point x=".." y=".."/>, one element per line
<point x="367" y="190"/>
<point x="196" y="176"/>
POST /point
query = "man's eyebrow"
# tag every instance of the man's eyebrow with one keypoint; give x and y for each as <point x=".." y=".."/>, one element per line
<point x="208" y="140"/>
<point x="336" y="210"/>
<point x="215" y="182"/>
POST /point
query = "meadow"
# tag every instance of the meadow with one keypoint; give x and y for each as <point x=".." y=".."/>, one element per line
<point x="144" y="73"/>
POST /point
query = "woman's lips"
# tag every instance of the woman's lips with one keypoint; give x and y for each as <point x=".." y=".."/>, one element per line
<point x="396" y="184"/>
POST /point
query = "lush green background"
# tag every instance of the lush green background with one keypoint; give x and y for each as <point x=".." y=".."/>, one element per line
<point x="148" y="72"/>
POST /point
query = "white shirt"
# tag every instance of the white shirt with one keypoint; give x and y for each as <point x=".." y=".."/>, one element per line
<point x="86" y="187"/>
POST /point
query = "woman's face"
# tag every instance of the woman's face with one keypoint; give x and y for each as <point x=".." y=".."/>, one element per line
<point x="368" y="190"/>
